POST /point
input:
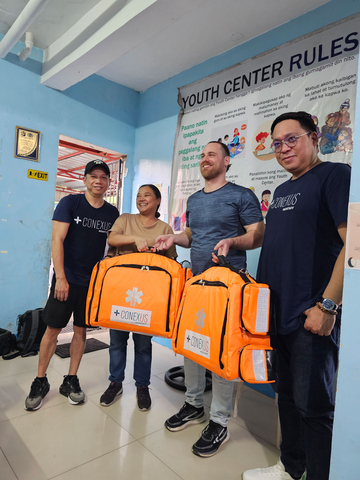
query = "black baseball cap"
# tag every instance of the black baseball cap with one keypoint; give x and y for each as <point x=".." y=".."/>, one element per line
<point x="97" y="164"/>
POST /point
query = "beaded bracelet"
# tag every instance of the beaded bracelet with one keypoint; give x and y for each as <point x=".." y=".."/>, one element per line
<point x="325" y="310"/>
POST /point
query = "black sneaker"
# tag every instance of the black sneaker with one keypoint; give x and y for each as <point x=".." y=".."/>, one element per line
<point x="110" y="394"/>
<point x="143" y="398"/>
<point x="39" y="388"/>
<point x="71" y="388"/>
<point x="187" y="415"/>
<point x="212" y="437"/>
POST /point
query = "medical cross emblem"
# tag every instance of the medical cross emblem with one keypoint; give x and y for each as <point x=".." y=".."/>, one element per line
<point x="116" y="312"/>
<point x="77" y="220"/>
<point x="134" y="296"/>
<point x="188" y="338"/>
<point x="200" y="317"/>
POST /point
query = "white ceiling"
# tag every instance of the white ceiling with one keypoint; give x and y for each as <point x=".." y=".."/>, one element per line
<point x="140" y="43"/>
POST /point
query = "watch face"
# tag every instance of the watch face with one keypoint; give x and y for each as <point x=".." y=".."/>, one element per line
<point x="329" y="304"/>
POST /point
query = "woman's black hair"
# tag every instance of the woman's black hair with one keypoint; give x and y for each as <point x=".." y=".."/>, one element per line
<point x="157" y="195"/>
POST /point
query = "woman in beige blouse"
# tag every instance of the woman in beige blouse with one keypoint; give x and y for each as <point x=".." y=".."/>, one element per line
<point x="135" y="233"/>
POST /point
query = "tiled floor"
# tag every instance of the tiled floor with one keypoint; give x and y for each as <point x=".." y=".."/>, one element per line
<point x="91" y="442"/>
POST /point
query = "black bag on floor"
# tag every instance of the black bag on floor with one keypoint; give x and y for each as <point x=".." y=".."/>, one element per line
<point x="31" y="329"/>
<point x="7" y="341"/>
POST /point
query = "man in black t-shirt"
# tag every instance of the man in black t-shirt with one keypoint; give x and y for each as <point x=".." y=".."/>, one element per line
<point x="80" y="224"/>
<point x="302" y="260"/>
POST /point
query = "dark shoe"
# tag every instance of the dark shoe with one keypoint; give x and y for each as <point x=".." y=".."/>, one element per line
<point x="110" y="394"/>
<point x="212" y="437"/>
<point x="38" y="391"/>
<point x="187" y="415"/>
<point x="71" y="388"/>
<point x="143" y="398"/>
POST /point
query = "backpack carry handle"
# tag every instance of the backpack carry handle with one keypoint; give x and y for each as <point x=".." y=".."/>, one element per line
<point x="224" y="262"/>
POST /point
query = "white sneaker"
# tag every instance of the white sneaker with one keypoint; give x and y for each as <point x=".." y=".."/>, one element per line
<point x="276" y="472"/>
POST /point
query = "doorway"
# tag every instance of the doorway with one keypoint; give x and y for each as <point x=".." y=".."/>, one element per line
<point x="73" y="155"/>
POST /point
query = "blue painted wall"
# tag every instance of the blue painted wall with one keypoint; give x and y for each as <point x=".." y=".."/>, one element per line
<point x="96" y="111"/>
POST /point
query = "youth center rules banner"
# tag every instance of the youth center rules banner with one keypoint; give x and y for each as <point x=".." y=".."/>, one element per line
<point x="317" y="74"/>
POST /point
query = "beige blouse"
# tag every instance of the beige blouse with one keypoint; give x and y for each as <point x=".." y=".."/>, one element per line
<point x="130" y="224"/>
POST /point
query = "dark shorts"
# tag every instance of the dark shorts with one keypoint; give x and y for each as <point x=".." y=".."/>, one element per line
<point x="57" y="314"/>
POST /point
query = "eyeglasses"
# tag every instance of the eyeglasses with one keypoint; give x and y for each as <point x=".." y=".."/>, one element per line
<point x="289" y="141"/>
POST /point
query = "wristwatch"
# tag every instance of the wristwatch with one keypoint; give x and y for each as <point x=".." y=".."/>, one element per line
<point x="328" y="306"/>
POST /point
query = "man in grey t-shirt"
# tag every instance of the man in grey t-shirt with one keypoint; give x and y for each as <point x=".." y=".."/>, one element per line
<point x="221" y="219"/>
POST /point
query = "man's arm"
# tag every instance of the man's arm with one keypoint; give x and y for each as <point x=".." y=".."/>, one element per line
<point x="317" y="321"/>
<point x="251" y="239"/>
<point x="183" y="239"/>
<point x="59" y="232"/>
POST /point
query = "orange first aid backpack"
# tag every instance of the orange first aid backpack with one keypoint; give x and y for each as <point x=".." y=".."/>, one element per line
<point x="223" y="325"/>
<point x="138" y="292"/>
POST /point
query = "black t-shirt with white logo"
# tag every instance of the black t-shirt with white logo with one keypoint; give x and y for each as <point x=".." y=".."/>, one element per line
<point x="301" y="242"/>
<point x="85" y="241"/>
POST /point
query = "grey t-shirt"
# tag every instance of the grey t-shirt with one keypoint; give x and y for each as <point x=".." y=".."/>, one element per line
<point x="214" y="216"/>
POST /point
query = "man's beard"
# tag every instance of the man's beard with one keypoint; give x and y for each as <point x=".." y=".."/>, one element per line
<point x="210" y="174"/>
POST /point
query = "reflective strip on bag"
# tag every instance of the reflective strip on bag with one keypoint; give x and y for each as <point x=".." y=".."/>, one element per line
<point x="262" y="311"/>
<point x="259" y="365"/>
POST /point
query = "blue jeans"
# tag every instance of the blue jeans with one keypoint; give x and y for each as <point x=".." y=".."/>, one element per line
<point x="142" y="363"/>
<point x="306" y="369"/>
<point x="222" y="390"/>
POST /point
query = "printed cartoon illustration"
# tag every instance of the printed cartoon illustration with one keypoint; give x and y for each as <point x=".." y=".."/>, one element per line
<point x="234" y="142"/>
<point x="178" y="217"/>
<point x="260" y="138"/>
<point x="342" y="117"/>
<point x="236" y="137"/>
<point x="336" y="135"/>
<point x="344" y="140"/>
<point x="261" y="142"/>
<point x="237" y="145"/>
<point x="328" y="135"/>
<point x="265" y="202"/>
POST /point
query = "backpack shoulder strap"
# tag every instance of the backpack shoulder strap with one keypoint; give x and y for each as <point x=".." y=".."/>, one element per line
<point x="35" y="319"/>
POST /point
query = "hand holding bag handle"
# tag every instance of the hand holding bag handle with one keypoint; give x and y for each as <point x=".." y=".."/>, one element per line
<point x="224" y="262"/>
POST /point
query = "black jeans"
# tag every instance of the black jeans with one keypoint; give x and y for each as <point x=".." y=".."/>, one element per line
<point x="306" y="369"/>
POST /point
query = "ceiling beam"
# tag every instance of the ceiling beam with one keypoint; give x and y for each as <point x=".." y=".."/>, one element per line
<point x="108" y="31"/>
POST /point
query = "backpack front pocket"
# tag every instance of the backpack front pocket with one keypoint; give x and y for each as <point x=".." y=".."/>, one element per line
<point x="135" y="296"/>
<point x="255" y="308"/>
<point x="256" y="364"/>
<point x="201" y="327"/>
